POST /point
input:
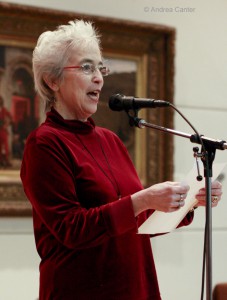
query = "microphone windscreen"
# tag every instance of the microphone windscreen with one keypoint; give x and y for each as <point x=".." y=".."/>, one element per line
<point x="115" y="102"/>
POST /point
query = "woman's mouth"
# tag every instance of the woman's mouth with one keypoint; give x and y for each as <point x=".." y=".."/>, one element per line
<point x="94" y="95"/>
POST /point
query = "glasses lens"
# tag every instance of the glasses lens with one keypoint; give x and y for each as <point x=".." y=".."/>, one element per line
<point x="88" y="68"/>
<point x="104" y="70"/>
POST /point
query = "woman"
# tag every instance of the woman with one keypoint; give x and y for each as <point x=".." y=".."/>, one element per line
<point x="86" y="196"/>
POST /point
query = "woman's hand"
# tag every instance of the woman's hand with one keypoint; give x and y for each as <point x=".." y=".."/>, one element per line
<point x="216" y="192"/>
<point x="167" y="197"/>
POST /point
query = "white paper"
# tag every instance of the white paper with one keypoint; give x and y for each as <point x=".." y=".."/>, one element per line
<point x="161" y="222"/>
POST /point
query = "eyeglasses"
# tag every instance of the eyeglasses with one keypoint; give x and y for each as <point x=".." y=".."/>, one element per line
<point x="88" y="69"/>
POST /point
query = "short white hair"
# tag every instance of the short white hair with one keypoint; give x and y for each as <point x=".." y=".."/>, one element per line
<point x="53" y="51"/>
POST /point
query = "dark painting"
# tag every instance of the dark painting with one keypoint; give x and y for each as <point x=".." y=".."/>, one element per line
<point x="19" y="106"/>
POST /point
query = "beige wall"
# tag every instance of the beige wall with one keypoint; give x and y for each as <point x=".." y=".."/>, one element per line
<point x="200" y="93"/>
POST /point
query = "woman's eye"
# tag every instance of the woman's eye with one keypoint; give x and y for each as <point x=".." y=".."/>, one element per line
<point x="87" y="67"/>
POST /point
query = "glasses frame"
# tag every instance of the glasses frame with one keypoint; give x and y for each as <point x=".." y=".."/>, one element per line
<point x="93" y="69"/>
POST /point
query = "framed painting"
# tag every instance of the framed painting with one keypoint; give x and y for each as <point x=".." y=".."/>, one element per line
<point x="141" y="60"/>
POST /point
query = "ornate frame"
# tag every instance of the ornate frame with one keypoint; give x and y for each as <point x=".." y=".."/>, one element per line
<point x="153" y="46"/>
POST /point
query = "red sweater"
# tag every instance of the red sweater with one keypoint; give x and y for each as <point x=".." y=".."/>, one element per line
<point x="86" y="237"/>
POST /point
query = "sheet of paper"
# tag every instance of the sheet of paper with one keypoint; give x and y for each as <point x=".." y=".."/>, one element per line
<point x="161" y="222"/>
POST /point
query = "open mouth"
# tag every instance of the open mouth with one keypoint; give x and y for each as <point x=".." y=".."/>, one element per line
<point x="94" y="95"/>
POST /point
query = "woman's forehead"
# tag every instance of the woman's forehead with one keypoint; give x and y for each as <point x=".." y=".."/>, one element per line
<point x="90" y="54"/>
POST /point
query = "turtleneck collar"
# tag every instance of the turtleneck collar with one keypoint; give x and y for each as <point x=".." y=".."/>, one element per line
<point x="55" y="119"/>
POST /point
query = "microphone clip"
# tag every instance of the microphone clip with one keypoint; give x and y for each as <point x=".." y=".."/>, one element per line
<point x="133" y="117"/>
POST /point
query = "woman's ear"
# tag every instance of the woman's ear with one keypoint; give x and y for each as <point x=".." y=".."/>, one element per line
<point x="52" y="84"/>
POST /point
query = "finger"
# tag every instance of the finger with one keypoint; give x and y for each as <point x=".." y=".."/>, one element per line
<point x="215" y="200"/>
<point x="216" y="185"/>
<point x="178" y="203"/>
<point x="214" y="204"/>
<point x="202" y="193"/>
<point x="184" y="188"/>
<point x="179" y="197"/>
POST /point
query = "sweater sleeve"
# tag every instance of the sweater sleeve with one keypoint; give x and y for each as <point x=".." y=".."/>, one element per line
<point x="49" y="183"/>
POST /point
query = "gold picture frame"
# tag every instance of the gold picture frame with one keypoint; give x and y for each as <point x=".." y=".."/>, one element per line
<point x="149" y="47"/>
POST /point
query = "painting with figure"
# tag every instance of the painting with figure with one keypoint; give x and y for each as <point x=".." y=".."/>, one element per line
<point x="19" y="106"/>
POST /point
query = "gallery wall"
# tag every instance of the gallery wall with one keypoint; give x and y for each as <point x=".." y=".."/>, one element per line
<point x="200" y="93"/>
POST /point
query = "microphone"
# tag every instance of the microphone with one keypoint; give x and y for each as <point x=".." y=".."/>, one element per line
<point x="120" y="102"/>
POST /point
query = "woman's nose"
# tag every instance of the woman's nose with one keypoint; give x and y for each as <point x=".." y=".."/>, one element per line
<point x="97" y="76"/>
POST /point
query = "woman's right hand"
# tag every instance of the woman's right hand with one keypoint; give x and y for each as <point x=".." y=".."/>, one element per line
<point x="166" y="196"/>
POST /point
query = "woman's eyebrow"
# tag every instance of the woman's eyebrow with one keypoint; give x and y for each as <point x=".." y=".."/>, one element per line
<point x="88" y="60"/>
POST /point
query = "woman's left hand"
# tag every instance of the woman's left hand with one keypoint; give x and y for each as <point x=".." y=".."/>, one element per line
<point x="216" y="192"/>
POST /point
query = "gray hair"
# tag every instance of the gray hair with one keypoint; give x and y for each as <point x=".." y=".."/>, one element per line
<point x="53" y="51"/>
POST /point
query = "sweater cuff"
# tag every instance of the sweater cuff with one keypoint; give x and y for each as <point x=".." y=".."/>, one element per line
<point x="119" y="216"/>
<point x="187" y="219"/>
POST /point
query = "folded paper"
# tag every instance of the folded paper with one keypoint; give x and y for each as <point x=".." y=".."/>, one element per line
<point x="162" y="222"/>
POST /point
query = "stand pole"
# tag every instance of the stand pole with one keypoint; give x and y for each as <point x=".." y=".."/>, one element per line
<point x="208" y="243"/>
<point x="207" y="160"/>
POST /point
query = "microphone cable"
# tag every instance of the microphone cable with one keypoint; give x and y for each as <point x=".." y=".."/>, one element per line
<point x="207" y="166"/>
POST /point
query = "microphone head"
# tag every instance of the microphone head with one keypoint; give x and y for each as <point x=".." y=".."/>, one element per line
<point x="115" y="102"/>
<point x="120" y="102"/>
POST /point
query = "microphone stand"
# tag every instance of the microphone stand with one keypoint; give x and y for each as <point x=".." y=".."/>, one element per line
<point x="209" y="147"/>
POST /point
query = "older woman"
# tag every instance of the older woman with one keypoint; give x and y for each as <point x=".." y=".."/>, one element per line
<point x="86" y="196"/>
